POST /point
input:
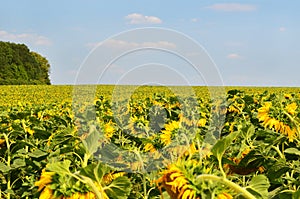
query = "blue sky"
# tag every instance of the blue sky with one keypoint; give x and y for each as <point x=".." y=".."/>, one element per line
<point x="251" y="42"/>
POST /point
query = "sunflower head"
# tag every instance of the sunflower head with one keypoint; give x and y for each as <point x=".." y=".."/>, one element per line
<point x="109" y="129"/>
<point x="176" y="184"/>
<point x="46" y="178"/>
<point x="166" y="135"/>
<point x="149" y="147"/>
<point x="224" y="196"/>
<point x="291" y="108"/>
<point x="47" y="193"/>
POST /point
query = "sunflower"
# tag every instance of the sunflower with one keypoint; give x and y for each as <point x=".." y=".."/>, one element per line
<point x="176" y="184"/>
<point x="264" y="111"/>
<point x="291" y="133"/>
<point x="2" y="141"/>
<point x="138" y="126"/>
<point x="224" y="196"/>
<point x="201" y="122"/>
<point x="46" y="178"/>
<point x="108" y="178"/>
<point x="149" y="147"/>
<point x="233" y="109"/>
<point x="287" y="96"/>
<point x="88" y="195"/>
<point x="29" y="130"/>
<point x="291" y="108"/>
<point x="166" y="137"/>
<point x="47" y="193"/>
<point x="274" y="124"/>
<point x="109" y="129"/>
<point x="91" y="195"/>
<point x="167" y="133"/>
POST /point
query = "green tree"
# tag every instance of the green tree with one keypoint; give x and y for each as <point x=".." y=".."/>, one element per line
<point x="44" y="67"/>
<point x="18" y="65"/>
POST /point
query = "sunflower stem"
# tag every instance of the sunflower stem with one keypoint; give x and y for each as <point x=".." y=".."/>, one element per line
<point x="278" y="151"/>
<point x="86" y="158"/>
<point x="8" y="186"/>
<point x="296" y="123"/>
<point x="199" y="151"/>
<point x="221" y="168"/>
<point x="143" y="171"/>
<point x="225" y="181"/>
<point x="88" y="181"/>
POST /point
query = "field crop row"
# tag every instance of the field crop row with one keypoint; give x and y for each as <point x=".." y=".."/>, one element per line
<point x="56" y="143"/>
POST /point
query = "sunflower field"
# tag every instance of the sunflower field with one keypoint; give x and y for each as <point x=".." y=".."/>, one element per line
<point x="155" y="144"/>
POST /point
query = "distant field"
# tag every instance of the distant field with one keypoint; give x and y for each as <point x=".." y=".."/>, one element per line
<point x="41" y="94"/>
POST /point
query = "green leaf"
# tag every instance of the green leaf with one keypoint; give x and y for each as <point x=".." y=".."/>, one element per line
<point x="219" y="148"/>
<point x="60" y="168"/>
<point x="18" y="163"/>
<point x="10" y="191"/>
<point x="258" y="186"/>
<point x="292" y="151"/>
<point x="252" y="160"/>
<point x="88" y="171"/>
<point x="4" y="168"/>
<point x="249" y="131"/>
<point x="119" y="188"/>
<point x="99" y="171"/>
<point x="286" y="195"/>
<point x="91" y="143"/>
<point x="296" y="195"/>
<point x="95" y="171"/>
<point x="37" y="154"/>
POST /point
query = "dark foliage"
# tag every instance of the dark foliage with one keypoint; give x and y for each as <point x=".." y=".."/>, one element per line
<point x="18" y="65"/>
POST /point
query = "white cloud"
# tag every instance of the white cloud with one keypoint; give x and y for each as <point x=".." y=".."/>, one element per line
<point x="121" y="44"/>
<point x="282" y="29"/>
<point x="194" y="20"/>
<point x="25" y="38"/>
<point x="42" y="41"/>
<point x="136" y="18"/>
<point x="232" y="7"/>
<point x="233" y="56"/>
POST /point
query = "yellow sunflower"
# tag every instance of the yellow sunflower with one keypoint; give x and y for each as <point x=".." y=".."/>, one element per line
<point x="233" y="109"/>
<point x="264" y="111"/>
<point x="167" y="133"/>
<point x="149" y="147"/>
<point x="202" y="122"/>
<point x="290" y="133"/>
<point x="287" y="96"/>
<point x="108" y="178"/>
<point x="224" y="196"/>
<point x="166" y="137"/>
<point x="291" y="108"/>
<point x="109" y="129"/>
<point x="47" y="193"/>
<point x="176" y="184"/>
<point x="2" y="141"/>
<point x="274" y="124"/>
<point x="46" y="178"/>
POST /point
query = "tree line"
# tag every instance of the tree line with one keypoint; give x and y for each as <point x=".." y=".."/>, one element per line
<point x="19" y="65"/>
